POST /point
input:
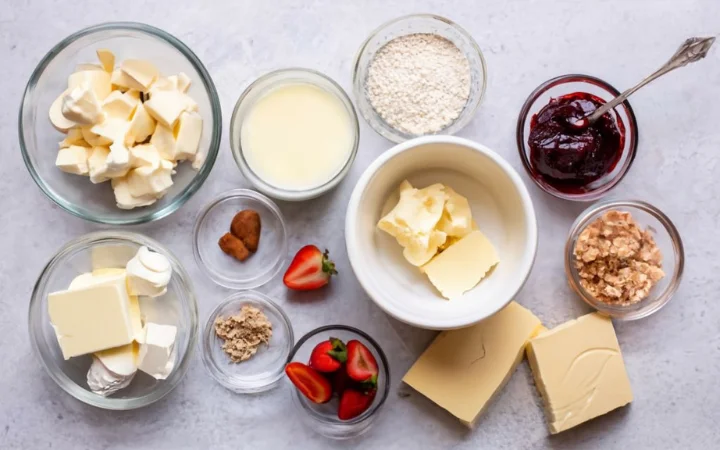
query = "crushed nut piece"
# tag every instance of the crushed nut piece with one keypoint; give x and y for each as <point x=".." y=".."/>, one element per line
<point x="618" y="263"/>
<point x="243" y="333"/>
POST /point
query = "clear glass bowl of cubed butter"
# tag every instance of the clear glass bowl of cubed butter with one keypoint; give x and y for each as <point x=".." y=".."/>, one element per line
<point x="124" y="293"/>
<point x="294" y="134"/>
<point x="73" y="65"/>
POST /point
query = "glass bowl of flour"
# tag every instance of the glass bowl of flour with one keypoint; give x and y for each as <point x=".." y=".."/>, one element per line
<point x="419" y="75"/>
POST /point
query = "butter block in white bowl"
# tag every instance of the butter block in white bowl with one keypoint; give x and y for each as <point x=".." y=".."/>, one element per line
<point x="501" y="208"/>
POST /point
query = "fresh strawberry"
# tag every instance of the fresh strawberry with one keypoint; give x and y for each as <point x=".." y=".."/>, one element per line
<point x="310" y="269"/>
<point x="340" y="381"/>
<point x="328" y="356"/>
<point x="361" y="365"/>
<point x="309" y="381"/>
<point x="354" y="402"/>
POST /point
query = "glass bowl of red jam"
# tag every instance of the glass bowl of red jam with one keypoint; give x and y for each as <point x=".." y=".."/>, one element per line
<point x="571" y="162"/>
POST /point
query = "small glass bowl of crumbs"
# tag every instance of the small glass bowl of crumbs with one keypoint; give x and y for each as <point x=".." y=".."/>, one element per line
<point x="418" y="75"/>
<point x="246" y="342"/>
<point x="624" y="258"/>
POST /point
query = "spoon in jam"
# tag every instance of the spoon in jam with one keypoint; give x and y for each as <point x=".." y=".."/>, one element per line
<point x="693" y="49"/>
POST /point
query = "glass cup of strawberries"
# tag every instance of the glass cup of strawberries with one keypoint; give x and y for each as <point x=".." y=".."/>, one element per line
<point x="341" y="379"/>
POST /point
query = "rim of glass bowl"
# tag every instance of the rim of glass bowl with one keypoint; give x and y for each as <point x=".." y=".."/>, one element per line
<point x="233" y="383"/>
<point x="383" y="128"/>
<point x="369" y="413"/>
<point x="523" y="117"/>
<point x="260" y="279"/>
<point x="620" y="312"/>
<point x="216" y="111"/>
<point x="308" y="76"/>
<point x="71" y="387"/>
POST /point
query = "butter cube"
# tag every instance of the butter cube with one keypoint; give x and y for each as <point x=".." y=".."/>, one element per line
<point x="166" y="106"/>
<point x="109" y="131"/>
<point x="92" y="138"/>
<point x="157" y="350"/>
<point x="74" y="137"/>
<point x="57" y="119"/>
<point x="125" y="82"/>
<point x="73" y="159"/>
<point x="189" y="131"/>
<point x="98" y="81"/>
<point x="107" y="59"/>
<point x="97" y="164"/>
<point x="164" y="84"/>
<point x="183" y="82"/>
<point x="81" y="106"/>
<point x="148" y="180"/>
<point x="163" y="139"/>
<point x="144" y="155"/>
<point x="140" y="70"/>
<point x="91" y="319"/>
<point x="118" y="161"/>
<point x="141" y="126"/>
<point x="579" y="371"/>
<point x="120" y="105"/>
<point x="462" y="370"/>
<point x="462" y="265"/>
<point x="124" y="199"/>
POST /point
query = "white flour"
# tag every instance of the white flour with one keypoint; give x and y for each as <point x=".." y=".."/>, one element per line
<point x="419" y="83"/>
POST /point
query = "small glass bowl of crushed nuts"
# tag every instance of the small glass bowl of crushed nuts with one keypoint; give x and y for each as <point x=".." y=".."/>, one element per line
<point x="246" y="342"/>
<point x="624" y="258"/>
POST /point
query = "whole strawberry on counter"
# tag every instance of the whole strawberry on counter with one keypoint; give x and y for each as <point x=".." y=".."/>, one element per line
<point x="310" y="269"/>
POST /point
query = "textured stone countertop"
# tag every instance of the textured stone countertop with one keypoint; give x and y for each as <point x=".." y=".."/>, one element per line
<point x="673" y="357"/>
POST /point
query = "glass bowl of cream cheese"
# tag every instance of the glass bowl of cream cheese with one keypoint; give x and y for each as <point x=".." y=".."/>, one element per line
<point x="99" y="360"/>
<point x="77" y="53"/>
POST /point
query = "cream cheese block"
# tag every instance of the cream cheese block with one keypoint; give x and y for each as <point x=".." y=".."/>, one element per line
<point x="462" y="370"/>
<point x="157" y="350"/>
<point x="91" y="319"/>
<point x="579" y="371"/>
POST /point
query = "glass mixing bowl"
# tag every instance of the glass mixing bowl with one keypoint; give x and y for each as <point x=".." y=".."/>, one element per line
<point x="177" y="307"/>
<point x="39" y="140"/>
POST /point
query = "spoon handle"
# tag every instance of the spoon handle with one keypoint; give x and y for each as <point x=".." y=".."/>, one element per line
<point x="693" y="49"/>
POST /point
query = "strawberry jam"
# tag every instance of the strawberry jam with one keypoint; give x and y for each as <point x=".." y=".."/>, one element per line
<point x="568" y="157"/>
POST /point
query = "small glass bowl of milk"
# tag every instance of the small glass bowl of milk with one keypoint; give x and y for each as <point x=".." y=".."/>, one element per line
<point x="294" y="134"/>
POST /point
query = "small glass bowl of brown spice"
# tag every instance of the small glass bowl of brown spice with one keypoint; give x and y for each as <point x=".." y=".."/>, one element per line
<point x="246" y="342"/>
<point x="624" y="258"/>
<point x="216" y="221"/>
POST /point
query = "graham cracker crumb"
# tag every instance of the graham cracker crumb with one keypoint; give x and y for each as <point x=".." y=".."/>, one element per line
<point x="243" y="333"/>
<point x="618" y="262"/>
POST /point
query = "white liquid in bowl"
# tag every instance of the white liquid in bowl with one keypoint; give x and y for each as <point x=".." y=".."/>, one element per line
<point x="297" y="136"/>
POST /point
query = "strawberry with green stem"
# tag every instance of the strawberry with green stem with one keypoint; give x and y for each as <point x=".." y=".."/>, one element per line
<point x="310" y="269"/>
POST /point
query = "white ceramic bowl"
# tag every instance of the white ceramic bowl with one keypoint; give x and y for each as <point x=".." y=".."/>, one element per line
<point x="501" y="207"/>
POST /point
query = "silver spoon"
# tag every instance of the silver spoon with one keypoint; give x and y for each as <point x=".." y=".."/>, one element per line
<point x="693" y="49"/>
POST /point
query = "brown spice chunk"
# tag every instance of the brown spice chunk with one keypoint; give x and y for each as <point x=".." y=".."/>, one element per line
<point x="243" y="333"/>
<point x="618" y="263"/>
<point x="246" y="226"/>
<point x="233" y="247"/>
